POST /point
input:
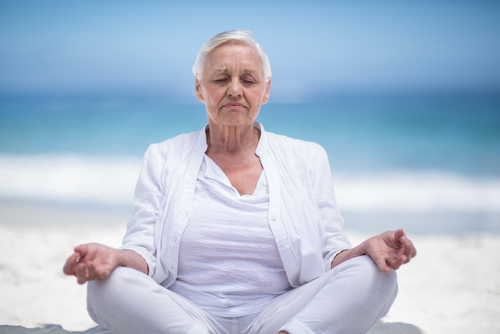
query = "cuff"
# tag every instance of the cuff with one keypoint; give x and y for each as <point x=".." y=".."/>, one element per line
<point x="329" y="259"/>
<point x="150" y="260"/>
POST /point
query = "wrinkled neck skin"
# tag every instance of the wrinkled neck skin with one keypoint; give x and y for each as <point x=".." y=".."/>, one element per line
<point x="232" y="148"/>
<point x="232" y="141"/>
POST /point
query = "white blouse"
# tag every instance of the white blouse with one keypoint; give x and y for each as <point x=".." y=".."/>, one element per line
<point x="302" y="214"/>
<point x="229" y="263"/>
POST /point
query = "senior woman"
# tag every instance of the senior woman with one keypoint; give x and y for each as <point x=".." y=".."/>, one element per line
<point x="235" y="229"/>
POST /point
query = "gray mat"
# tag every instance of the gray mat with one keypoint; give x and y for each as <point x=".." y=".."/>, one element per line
<point x="48" y="329"/>
<point x="378" y="328"/>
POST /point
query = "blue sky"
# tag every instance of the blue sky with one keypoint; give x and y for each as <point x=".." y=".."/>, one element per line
<point x="316" y="48"/>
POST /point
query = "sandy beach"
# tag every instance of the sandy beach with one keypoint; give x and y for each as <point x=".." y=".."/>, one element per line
<point x="452" y="286"/>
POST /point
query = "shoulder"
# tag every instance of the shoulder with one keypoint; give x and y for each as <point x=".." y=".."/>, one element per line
<point x="171" y="157"/>
<point x="300" y="148"/>
<point x="185" y="139"/>
<point x="174" y="146"/>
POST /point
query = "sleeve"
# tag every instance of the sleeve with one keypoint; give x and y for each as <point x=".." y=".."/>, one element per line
<point x="333" y="223"/>
<point x="148" y="197"/>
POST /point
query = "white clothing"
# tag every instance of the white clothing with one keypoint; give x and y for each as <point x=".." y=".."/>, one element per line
<point x="307" y="231"/>
<point x="229" y="264"/>
<point x="302" y="215"/>
<point x="347" y="299"/>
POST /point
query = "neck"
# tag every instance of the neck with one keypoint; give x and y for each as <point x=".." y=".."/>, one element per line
<point x="223" y="139"/>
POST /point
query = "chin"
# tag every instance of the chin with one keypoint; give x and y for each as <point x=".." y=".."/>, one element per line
<point x="235" y="121"/>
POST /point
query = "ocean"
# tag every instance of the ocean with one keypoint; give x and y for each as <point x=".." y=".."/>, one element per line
<point x="428" y="163"/>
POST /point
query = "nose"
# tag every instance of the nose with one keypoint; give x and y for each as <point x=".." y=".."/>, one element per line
<point x="234" y="89"/>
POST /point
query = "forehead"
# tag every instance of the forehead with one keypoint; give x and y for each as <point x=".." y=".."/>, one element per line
<point x="235" y="57"/>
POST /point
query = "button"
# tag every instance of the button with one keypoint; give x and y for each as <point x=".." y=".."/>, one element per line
<point x="273" y="217"/>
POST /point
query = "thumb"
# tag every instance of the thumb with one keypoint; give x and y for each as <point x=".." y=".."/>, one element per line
<point x="399" y="234"/>
<point x="82" y="250"/>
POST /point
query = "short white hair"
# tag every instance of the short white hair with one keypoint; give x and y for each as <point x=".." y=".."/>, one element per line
<point x="230" y="36"/>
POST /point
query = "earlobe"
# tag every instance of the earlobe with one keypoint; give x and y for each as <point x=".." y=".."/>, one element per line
<point x="267" y="93"/>
<point x="197" y="88"/>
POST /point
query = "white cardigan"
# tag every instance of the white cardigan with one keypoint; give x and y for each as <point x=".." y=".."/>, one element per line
<point x="303" y="214"/>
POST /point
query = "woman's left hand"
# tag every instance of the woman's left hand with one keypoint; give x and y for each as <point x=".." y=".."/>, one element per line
<point x="390" y="249"/>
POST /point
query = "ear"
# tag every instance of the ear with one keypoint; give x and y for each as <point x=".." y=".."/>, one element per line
<point x="267" y="93"/>
<point x="198" y="90"/>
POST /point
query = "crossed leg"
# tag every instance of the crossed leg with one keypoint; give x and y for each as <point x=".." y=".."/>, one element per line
<point x="130" y="302"/>
<point x="350" y="298"/>
<point x="346" y="299"/>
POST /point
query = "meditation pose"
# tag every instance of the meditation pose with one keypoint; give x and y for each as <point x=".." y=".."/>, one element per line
<point x="235" y="229"/>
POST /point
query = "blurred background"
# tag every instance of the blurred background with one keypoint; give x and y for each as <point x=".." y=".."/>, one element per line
<point x="403" y="95"/>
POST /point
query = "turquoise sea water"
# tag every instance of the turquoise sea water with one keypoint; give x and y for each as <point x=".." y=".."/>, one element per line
<point x="424" y="163"/>
<point x="365" y="134"/>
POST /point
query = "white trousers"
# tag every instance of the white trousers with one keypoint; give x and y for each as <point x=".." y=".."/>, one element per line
<point x="347" y="299"/>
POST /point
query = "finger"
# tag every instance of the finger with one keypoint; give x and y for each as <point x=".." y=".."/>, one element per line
<point x="69" y="266"/>
<point x="399" y="234"/>
<point x="102" y="270"/>
<point x="407" y="247"/>
<point x="410" y="250"/>
<point x="413" y="249"/>
<point x="381" y="264"/>
<point x="102" y="273"/>
<point x="80" y="273"/>
<point x="398" y="262"/>
<point x="94" y="272"/>
<point x="82" y="250"/>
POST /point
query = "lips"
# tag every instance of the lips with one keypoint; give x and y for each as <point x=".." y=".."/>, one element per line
<point x="233" y="105"/>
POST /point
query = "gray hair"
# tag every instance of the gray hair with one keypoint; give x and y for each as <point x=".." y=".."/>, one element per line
<point x="231" y="36"/>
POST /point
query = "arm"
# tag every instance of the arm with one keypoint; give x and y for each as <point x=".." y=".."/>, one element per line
<point x="321" y="178"/>
<point x="96" y="261"/>
<point x="388" y="250"/>
<point x="148" y="197"/>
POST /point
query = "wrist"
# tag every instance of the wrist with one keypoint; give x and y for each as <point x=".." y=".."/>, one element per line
<point x="360" y="249"/>
<point x="131" y="259"/>
<point x="123" y="258"/>
<point x="349" y="254"/>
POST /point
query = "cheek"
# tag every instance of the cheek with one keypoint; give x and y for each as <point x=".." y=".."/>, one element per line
<point x="213" y="96"/>
<point x="257" y="98"/>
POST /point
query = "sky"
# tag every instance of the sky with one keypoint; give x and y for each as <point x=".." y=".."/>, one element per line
<point x="316" y="48"/>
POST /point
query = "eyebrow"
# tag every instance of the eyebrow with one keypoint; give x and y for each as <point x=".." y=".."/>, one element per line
<point x="226" y="71"/>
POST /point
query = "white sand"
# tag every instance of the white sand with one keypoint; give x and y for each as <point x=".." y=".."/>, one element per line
<point x="452" y="286"/>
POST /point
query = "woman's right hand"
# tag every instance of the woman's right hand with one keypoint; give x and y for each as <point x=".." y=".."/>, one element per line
<point x="95" y="261"/>
<point x="92" y="262"/>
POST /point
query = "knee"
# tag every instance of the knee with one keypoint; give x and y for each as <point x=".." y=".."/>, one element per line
<point x="383" y="284"/>
<point x="385" y="281"/>
<point x="375" y="287"/>
<point x="103" y="294"/>
<point x="108" y="287"/>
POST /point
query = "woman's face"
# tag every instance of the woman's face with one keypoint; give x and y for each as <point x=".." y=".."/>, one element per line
<point x="233" y="86"/>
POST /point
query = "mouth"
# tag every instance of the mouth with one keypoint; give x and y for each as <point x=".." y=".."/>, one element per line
<point x="233" y="105"/>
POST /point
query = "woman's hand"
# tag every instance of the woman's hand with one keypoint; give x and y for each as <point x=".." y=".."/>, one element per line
<point x="95" y="261"/>
<point x="388" y="250"/>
